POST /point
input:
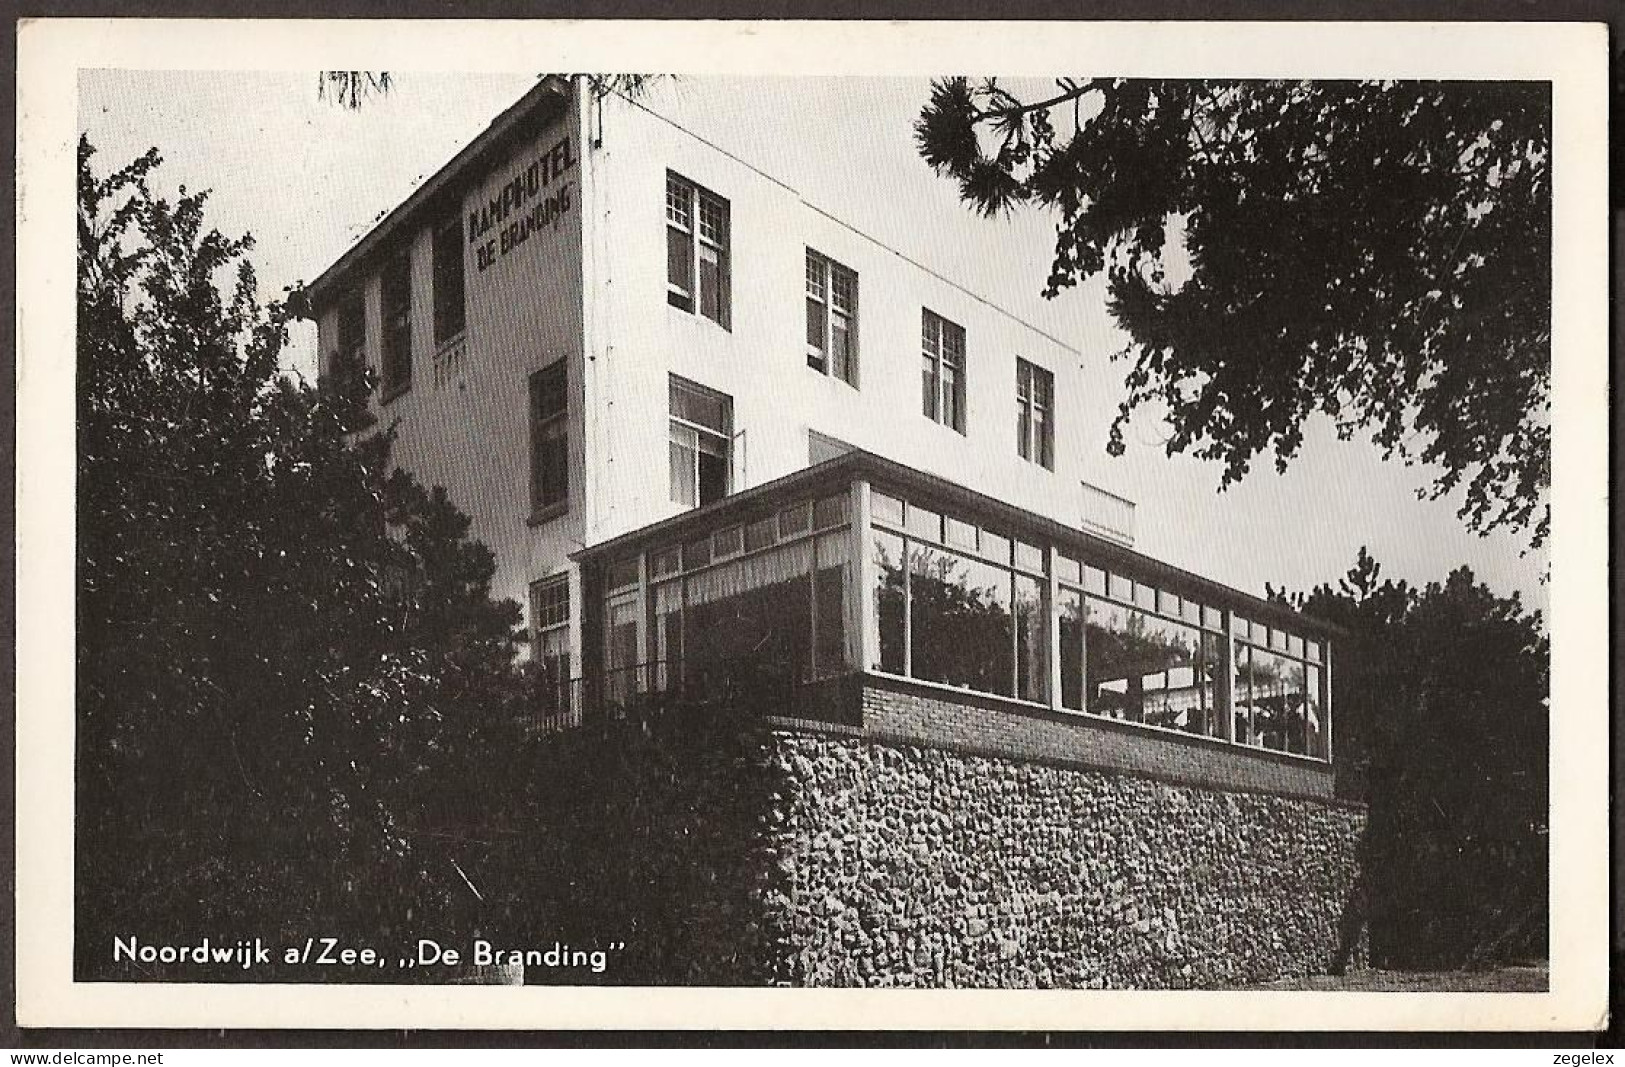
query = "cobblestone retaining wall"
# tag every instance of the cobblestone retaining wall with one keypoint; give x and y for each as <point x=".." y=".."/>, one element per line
<point x="905" y="866"/>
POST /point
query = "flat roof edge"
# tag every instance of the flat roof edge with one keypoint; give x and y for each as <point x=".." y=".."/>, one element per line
<point x="859" y="462"/>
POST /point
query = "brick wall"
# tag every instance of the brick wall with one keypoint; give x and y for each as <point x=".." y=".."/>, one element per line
<point x="900" y="711"/>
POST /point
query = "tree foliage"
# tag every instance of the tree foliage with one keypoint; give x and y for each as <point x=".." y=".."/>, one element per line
<point x="1375" y="252"/>
<point x="1441" y="722"/>
<point x="282" y="642"/>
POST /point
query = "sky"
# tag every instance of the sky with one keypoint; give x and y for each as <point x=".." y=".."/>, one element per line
<point x="308" y="179"/>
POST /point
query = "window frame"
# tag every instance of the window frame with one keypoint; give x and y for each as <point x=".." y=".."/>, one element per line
<point x="820" y="356"/>
<point x="540" y="632"/>
<point x="350" y="332"/>
<point x="935" y="333"/>
<point x="447" y="264"/>
<point x="693" y="431"/>
<point x="395" y="315"/>
<point x="549" y="427"/>
<point x="685" y="205"/>
<point x="1035" y="413"/>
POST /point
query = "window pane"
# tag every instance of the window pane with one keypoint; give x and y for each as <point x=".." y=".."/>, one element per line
<point x="700" y="406"/>
<point x="1029" y="557"/>
<point x="622" y="573"/>
<point x="844" y="291"/>
<point x="713" y="480"/>
<point x="1032" y="640"/>
<point x="728" y="542"/>
<point x="1094" y="580"/>
<point x="553" y="465"/>
<point x="761" y="533"/>
<point x="1212" y="618"/>
<point x="889" y="603"/>
<point x="1213" y="652"/>
<point x="815" y="277"/>
<point x="1315" y="714"/>
<point x="960" y="621"/>
<point x="666" y="561"/>
<point x="668" y="623"/>
<point x="448" y="279"/>
<point x="953" y="384"/>
<point x="1070" y="607"/>
<point x="1120" y="587"/>
<point x="1312" y="649"/>
<point x="830" y="511"/>
<point x="996" y="547"/>
<point x="923" y="522"/>
<point x="679" y="195"/>
<point x="1145" y="596"/>
<point x="684" y="468"/>
<point x="1278" y="702"/>
<point x="959" y="534"/>
<point x="713" y="219"/>
<point x="795" y="520"/>
<point x="680" y="268"/>
<point x="396" y="296"/>
<point x="1242" y="694"/>
<point x="1068" y="569"/>
<point x="887" y="509"/>
<point x="840" y="343"/>
<point x="928" y="387"/>
<point x="1191" y="612"/>
<point x="829" y="592"/>
<point x="816" y="326"/>
<point x="697" y="553"/>
<point x="1144" y="669"/>
<point x="712" y="300"/>
<point x="749" y="625"/>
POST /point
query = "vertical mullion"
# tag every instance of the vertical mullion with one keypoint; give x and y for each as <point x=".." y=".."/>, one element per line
<point x="1052" y="627"/>
<point x="863" y="621"/>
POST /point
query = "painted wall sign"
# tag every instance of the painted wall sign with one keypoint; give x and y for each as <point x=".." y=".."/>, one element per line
<point x="533" y="200"/>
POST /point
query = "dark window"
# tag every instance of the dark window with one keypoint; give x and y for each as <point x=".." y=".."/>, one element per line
<point x="397" y="315"/>
<point x="352" y="330"/>
<point x="697" y="233"/>
<point x="449" y="313"/>
<point x="1035" y="413"/>
<point x="942" y="346"/>
<point x="832" y="318"/>
<point x="549" y="437"/>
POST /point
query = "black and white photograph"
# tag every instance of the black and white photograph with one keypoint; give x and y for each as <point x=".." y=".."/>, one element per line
<point x="1129" y="524"/>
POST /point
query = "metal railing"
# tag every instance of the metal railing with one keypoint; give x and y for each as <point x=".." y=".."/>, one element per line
<point x="1108" y="514"/>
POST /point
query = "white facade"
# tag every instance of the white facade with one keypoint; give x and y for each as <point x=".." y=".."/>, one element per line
<point x="563" y="210"/>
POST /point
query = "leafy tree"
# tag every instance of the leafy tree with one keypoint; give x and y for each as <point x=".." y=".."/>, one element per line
<point x="1441" y="722"/>
<point x="283" y="645"/>
<point x="1377" y="252"/>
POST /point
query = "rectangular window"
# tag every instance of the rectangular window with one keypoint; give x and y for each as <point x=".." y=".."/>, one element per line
<point x="697" y="231"/>
<point x="449" y="312"/>
<point x="1035" y="414"/>
<point x="396" y="287"/>
<point x="832" y="318"/>
<point x="701" y="443"/>
<point x="352" y="330"/>
<point x="1140" y="668"/>
<point x="550" y="639"/>
<point x="549" y="438"/>
<point x="942" y="370"/>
